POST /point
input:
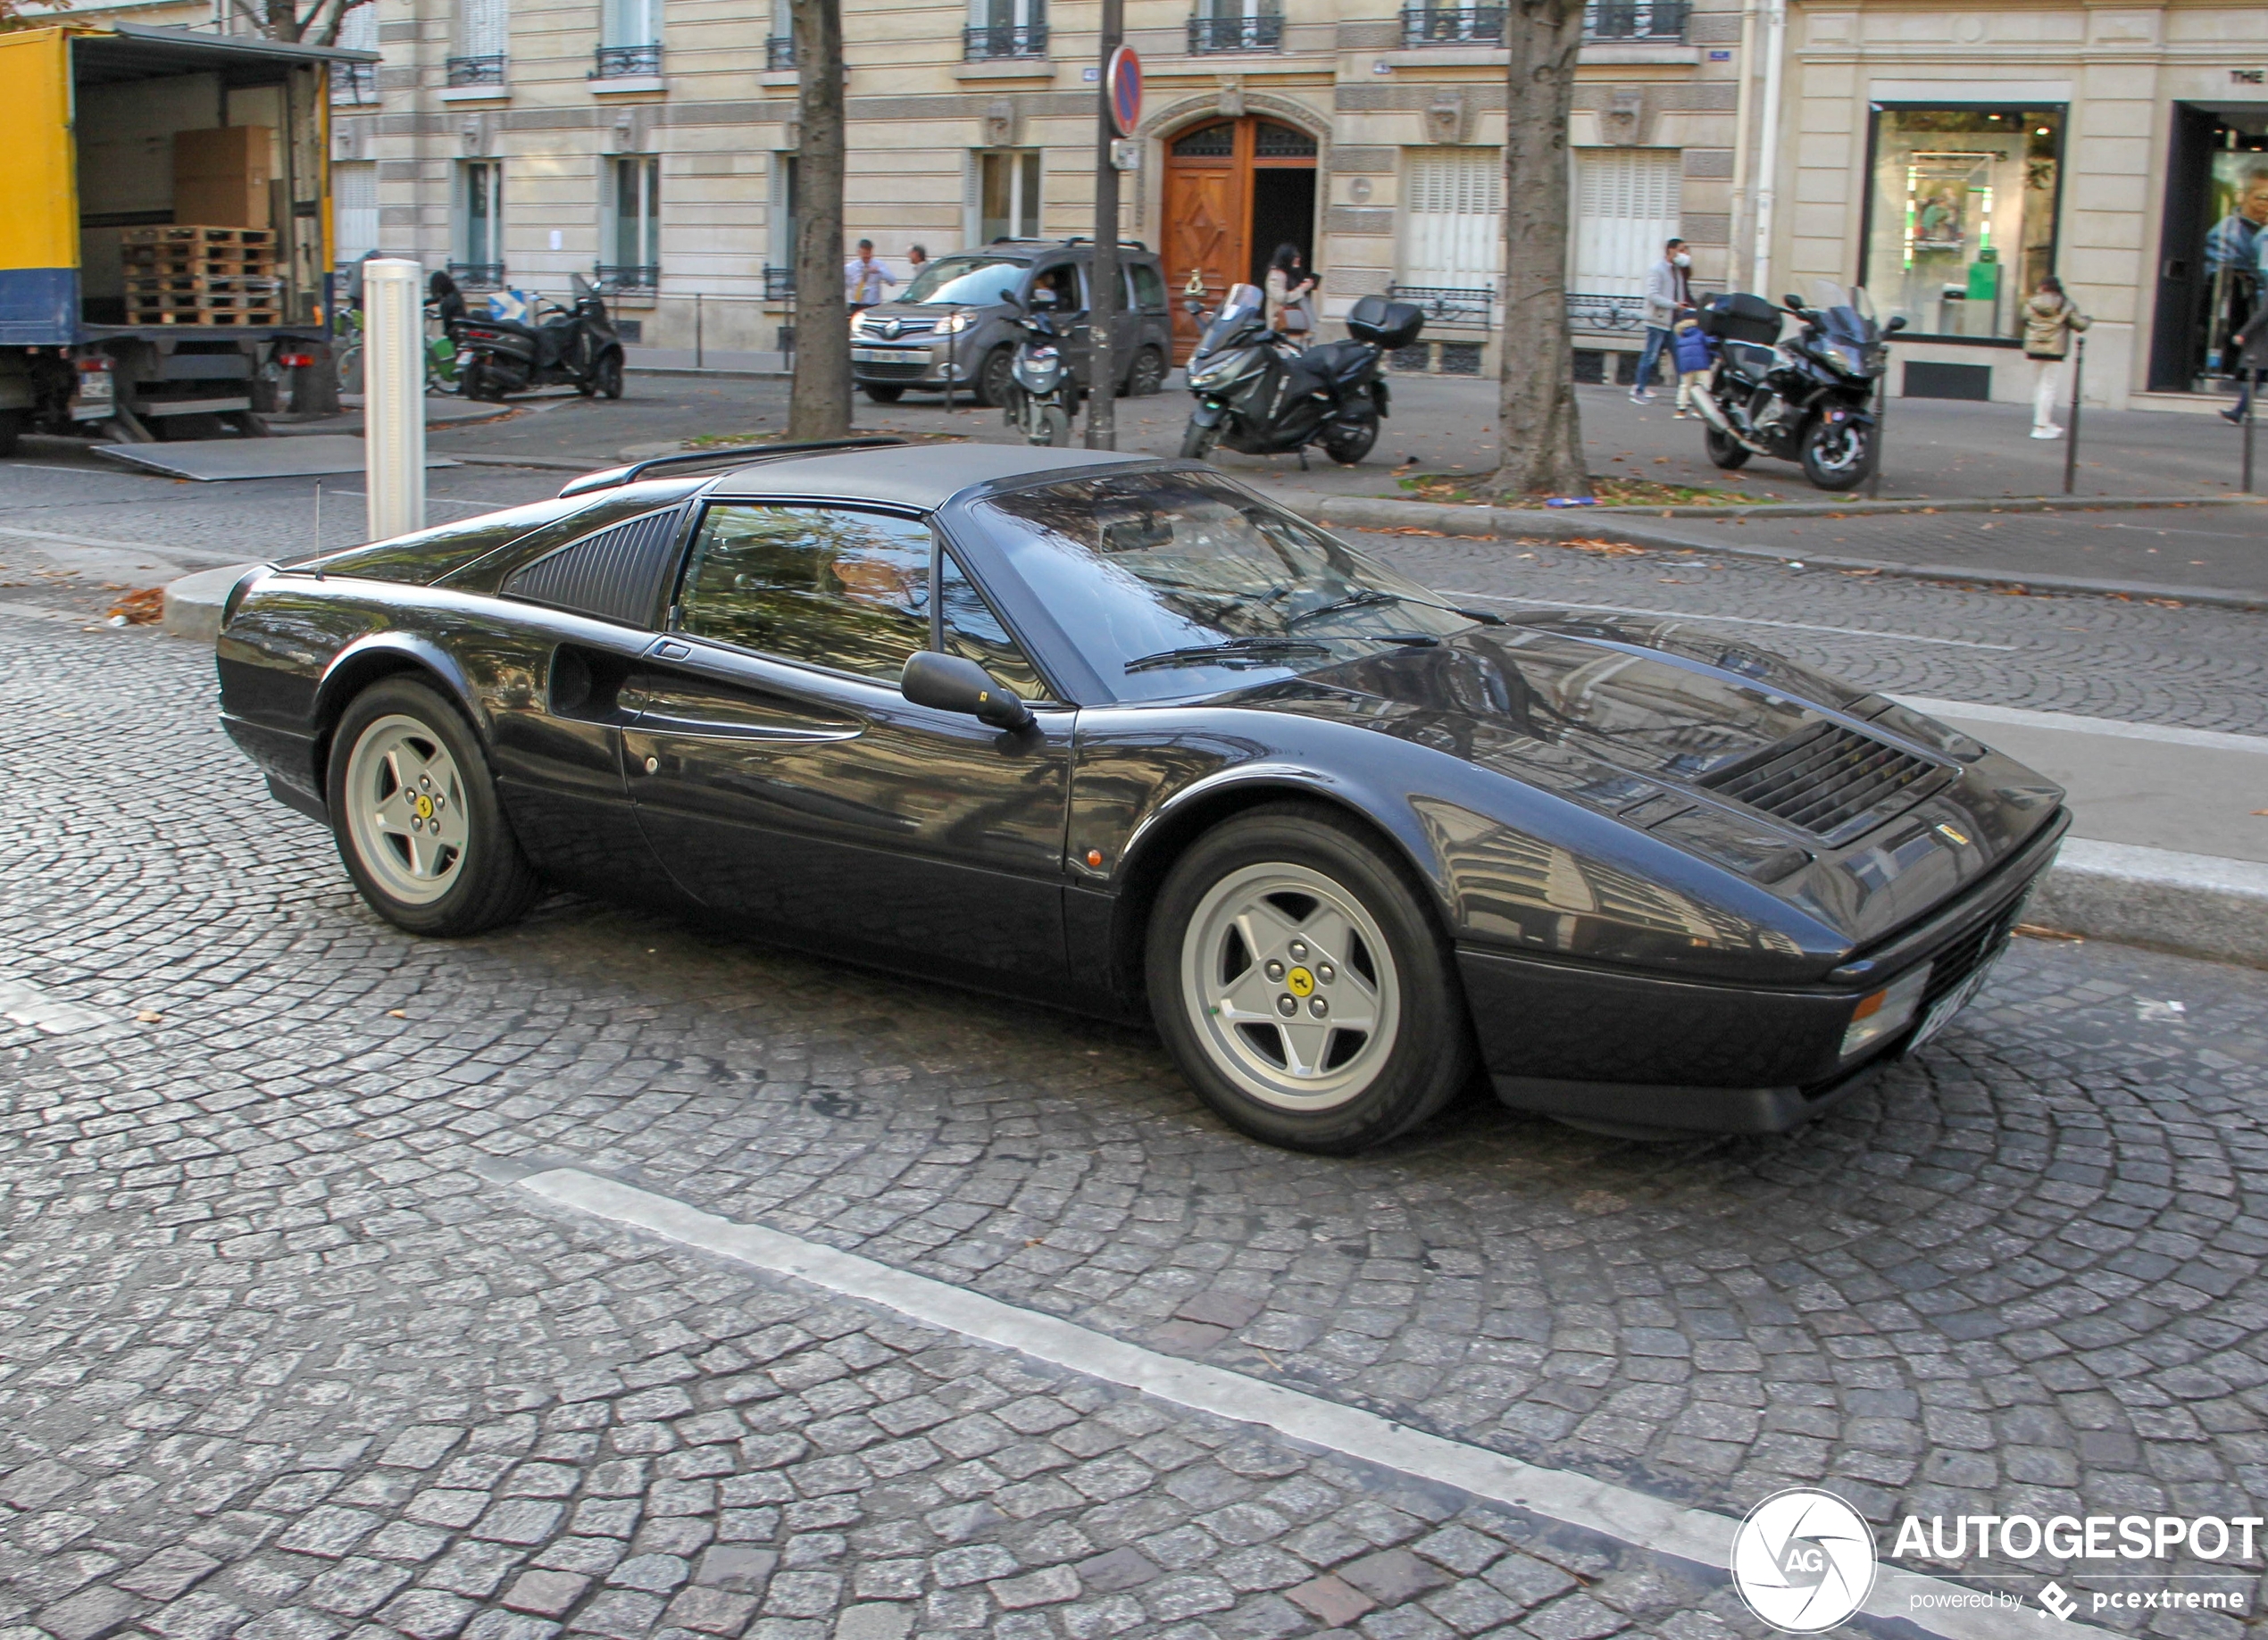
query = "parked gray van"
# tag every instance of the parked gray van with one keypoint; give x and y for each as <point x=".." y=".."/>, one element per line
<point x="955" y="312"/>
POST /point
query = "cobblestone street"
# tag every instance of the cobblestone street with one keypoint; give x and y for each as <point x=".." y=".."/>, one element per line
<point x="285" y="1353"/>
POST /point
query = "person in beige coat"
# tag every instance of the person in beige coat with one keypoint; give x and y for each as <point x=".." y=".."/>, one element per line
<point x="2049" y="320"/>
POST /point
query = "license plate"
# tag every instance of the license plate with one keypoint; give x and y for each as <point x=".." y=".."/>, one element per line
<point x="93" y="386"/>
<point x="886" y="355"/>
<point x="1953" y="1001"/>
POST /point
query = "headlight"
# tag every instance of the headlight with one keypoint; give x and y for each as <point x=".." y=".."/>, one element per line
<point x="1884" y="1013"/>
<point x="1209" y="375"/>
<point x="953" y="324"/>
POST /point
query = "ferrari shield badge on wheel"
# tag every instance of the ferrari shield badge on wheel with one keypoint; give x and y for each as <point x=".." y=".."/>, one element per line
<point x="1804" y="1560"/>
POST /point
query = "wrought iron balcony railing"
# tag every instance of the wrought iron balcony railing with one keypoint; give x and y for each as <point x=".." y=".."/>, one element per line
<point x="487" y="70"/>
<point x="627" y="62"/>
<point x="985" y="41"/>
<point x="1605" y="316"/>
<point x="1264" y="32"/>
<point x="616" y="277"/>
<point x="1449" y="307"/>
<point x="1453" y="25"/>
<point x="779" y="51"/>
<point x="1636" y="19"/>
<point x="778" y="284"/>
<point x="478" y="275"/>
<point x="354" y="84"/>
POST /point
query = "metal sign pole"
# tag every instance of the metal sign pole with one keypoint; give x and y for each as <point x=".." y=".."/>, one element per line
<point x="2252" y="395"/>
<point x="394" y="385"/>
<point x="1882" y="420"/>
<point x="1103" y="302"/>
<point x="2071" y="434"/>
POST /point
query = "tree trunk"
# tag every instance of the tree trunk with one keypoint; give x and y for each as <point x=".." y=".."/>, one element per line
<point x="818" y="404"/>
<point x="1539" y="430"/>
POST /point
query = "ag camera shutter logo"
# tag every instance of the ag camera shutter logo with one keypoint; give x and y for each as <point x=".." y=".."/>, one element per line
<point x="1804" y="1560"/>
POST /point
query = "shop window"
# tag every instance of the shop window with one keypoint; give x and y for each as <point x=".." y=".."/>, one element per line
<point x="1008" y="196"/>
<point x="1961" y="215"/>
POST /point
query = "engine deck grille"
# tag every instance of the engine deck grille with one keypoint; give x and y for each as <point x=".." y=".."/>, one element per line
<point x="1828" y="781"/>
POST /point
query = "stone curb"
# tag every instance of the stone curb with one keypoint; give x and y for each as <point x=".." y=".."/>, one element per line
<point x="1967" y="503"/>
<point x="2192" y="904"/>
<point x="1592" y="523"/>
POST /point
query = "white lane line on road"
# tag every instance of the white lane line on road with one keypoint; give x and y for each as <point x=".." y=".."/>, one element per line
<point x="1742" y="621"/>
<point x="2017" y="717"/>
<point x="28" y="1004"/>
<point x="1618" y="1512"/>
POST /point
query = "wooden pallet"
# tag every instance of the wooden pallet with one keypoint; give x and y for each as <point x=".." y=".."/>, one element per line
<point x="204" y="316"/>
<point x="188" y="236"/>
<point x="177" y="289"/>
<point x="172" y="266"/>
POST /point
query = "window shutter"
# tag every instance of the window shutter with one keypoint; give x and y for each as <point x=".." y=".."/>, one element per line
<point x="1452" y="218"/>
<point x="354" y="208"/>
<point x="1626" y="206"/>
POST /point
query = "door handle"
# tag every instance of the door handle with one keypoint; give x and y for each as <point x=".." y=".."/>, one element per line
<point x="670" y="650"/>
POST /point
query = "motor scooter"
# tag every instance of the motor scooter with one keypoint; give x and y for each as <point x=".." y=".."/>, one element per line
<point x="1260" y="394"/>
<point x="575" y="345"/>
<point x="1044" y="391"/>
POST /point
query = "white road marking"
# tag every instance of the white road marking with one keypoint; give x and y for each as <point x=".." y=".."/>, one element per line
<point x="1742" y="621"/>
<point x="28" y="1004"/>
<point x="2164" y="734"/>
<point x="1619" y="1512"/>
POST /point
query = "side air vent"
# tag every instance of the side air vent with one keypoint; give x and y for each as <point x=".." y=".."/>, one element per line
<point x="1831" y="781"/>
<point x="615" y="575"/>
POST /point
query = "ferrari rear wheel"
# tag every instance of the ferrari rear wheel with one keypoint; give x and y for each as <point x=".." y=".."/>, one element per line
<point x="416" y="816"/>
<point x="1301" y="985"/>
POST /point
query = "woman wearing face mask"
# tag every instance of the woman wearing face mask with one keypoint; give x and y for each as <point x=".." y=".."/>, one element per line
<point x="1669" y="293"/>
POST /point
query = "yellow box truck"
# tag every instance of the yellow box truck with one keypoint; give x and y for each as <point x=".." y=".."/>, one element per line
<point x="126" y="309"/>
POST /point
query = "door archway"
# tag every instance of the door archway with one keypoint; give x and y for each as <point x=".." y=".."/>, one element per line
<point x="1235" y="189"/>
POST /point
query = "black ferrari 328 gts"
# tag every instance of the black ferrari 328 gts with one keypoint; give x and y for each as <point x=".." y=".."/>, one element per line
<point x="1122" y="735"/>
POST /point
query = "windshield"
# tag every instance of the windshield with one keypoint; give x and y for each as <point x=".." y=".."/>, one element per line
<point x="1240" y="312"/>
<point x="975" y="280"/>
<point x="1145" y="566"/>
<point x="1846" y="313"/>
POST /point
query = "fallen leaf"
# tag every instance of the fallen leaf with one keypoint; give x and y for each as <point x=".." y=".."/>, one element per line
<point x="146" y="1017"/>
<point x="395" y="1013"/>
<point x="145" y="608"/>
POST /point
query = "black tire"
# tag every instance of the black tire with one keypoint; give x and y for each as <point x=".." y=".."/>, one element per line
<point x="1421" y="1055"/>
<point x="609" y="376"/>
<point x="1348" y="445"/>
<point x="885" y="392"/>
<point x="11" y="425"/>
<point x="995" y="376"/>
<point x="1146" y="376"/>
<point x="490" y="882"/>
<point x="477" y="383"/>
<point x="1725" y="450"/>
<point x="1839" y="456"/>
<point x="1198" y="442"/>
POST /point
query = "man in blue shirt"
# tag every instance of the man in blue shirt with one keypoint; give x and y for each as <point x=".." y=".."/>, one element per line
<point x="2234" y="244"/>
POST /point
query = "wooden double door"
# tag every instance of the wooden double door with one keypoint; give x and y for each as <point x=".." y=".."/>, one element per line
<point x="1234" y="189"/>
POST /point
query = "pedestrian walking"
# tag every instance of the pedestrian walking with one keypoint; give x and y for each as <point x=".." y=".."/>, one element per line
<point x="1290" y="299"/>
<point x="865" y="281"/>
<point x="917" y="258"/>
<point x="1669" y="293"/>
<point x="2049" y="319"/>
<point x="2249" y="351"/>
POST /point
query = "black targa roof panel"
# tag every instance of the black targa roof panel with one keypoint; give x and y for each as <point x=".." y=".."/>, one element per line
<point x="923" y="476"/>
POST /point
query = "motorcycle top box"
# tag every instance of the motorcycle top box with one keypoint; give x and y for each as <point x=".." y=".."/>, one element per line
<point x="1385" y="324"/>
<point x="1738" y="316"/>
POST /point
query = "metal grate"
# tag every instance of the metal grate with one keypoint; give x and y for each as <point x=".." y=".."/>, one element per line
<point x="1828" y="781"/>
<point x="615" y="575"/>
<point x="627" y="61"/>
<point x="476" y="275"/>
<point x="1264" y="32"/>
<point x="1452" y="25"/>
<point x="1636" y="19"/>
<point x="778" y="284"/>
<point x="779" y="52"/>
<point x="985" y="41"/>
<point x="1464" y="307"/>
<point x="614" y="278"/>
<point x="487" y="70"/>
<point x="874" y="370"/>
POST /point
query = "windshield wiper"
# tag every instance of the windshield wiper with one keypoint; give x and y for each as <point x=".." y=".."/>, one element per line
<point x="1373" y="594"/>
<point x="1232" y="651"/>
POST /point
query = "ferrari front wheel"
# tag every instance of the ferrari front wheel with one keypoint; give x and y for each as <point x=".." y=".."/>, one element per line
<point x="1301" y="985"/>
<point x="416" y="818"/>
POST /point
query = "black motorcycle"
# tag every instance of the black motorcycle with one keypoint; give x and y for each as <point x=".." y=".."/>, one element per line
<point x="1043" y="390"/>
<point x="574" y="345"/>
<point x="1809" y="399"/>
<point x="1260" y="394"/>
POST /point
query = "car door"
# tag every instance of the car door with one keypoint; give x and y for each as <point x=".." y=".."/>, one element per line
<point x="780" y="774"/>
<point x="1068" y="280"/>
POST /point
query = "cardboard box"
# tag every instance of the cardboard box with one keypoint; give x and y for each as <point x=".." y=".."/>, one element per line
<point x="221" y="176"/>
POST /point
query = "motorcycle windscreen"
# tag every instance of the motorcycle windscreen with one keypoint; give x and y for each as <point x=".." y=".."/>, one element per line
<point x="1239" y="312"/>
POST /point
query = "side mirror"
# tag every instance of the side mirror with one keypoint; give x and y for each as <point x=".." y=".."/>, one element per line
<point x="1794" y="305"/>
<point x="1896" y="323"/>
<point x="952" y="683"/>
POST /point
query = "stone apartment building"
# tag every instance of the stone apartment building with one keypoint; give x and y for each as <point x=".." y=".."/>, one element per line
<point x="652" y="143"/>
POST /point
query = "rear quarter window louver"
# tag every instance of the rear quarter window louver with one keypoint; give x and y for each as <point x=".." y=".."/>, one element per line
<point x="615" y="575"/>
<point x="1831" y="781"/>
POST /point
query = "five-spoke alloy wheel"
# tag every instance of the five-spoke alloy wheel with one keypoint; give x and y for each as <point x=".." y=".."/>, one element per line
<point x="1301" y="984"/>
<point x="416" y="815"/>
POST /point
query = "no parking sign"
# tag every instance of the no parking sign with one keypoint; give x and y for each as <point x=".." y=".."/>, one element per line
<point x="1123" y="82"/>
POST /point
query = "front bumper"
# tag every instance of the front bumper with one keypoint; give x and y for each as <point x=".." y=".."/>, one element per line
<point x="1639" y="1050"/>
<point x="889" y="365"/>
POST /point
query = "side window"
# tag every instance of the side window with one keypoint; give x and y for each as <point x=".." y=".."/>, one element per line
<point x="824" y="586"/>
<point x="1148" y="285"/>
<point x="1062" y="278"/>
<point x="972" y="631"/>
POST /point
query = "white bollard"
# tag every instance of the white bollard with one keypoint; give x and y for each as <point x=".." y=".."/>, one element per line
<point x="394" y="385"/>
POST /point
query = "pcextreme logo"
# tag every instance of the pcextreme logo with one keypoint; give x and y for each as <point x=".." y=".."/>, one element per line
<point x="1804" y="1560"/>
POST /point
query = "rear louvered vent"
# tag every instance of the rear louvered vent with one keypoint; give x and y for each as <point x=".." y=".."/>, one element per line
<point x="1828" y="781"/>
<point x="615" y="575"/>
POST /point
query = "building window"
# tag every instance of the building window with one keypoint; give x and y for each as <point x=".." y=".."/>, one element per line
<point x="1452" y="226"/>
<point x="634" y="224"/>
<point x="1626" y="209"/>
<point x="1235" y="25"/>
<point x="1961" y="216"/>
<point x="480" y="225"/>
<point x="629" y="40"/>
<point x="1008" y="196"/>
<point x="353" y="210"/>
<point x="1007" y="28"/>
<point x="480" y="43"/>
